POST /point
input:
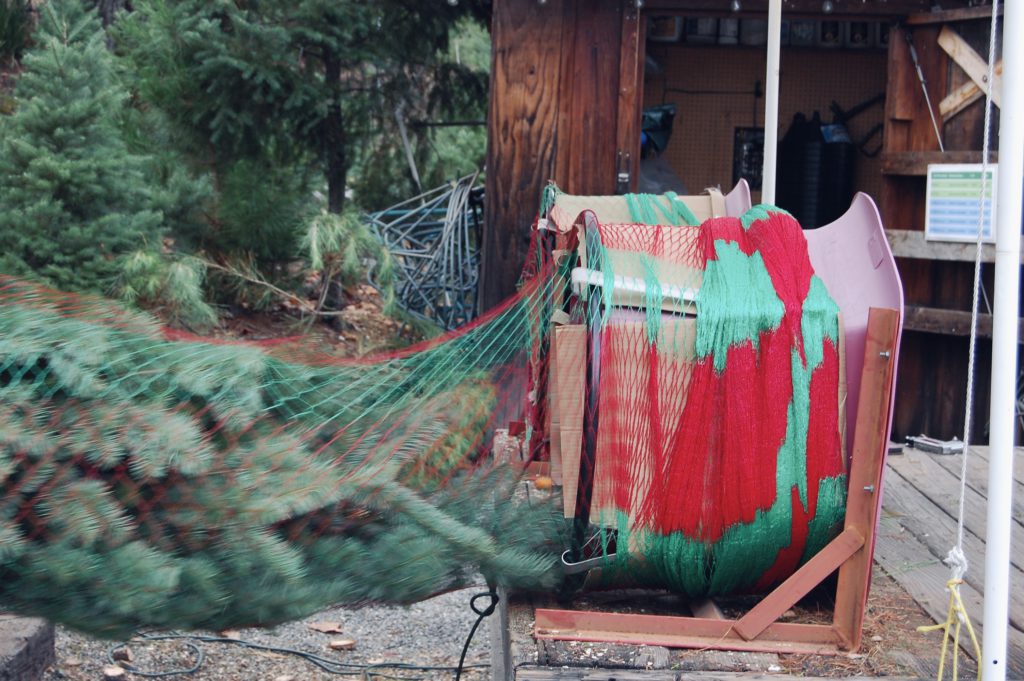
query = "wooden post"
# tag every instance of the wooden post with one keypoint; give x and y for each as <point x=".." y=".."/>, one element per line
<point x="502" y="668"/>
<point x="558" y="112"/>
<point x="526" y="40"/>
<point x="871" y="437"/>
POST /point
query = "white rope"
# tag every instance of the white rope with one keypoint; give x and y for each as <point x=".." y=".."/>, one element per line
<point x="956" y="559"/>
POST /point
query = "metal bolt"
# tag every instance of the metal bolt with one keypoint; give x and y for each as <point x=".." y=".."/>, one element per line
<point x="869" y="488"/>
<point x="884" y="353"/>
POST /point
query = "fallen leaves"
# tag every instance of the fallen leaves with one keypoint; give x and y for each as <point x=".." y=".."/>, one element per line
<point x="326" y="627"/>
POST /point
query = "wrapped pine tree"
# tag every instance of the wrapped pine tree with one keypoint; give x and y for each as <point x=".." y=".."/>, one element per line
<point x="75" y="201"/>
<point x="149" y="479"/>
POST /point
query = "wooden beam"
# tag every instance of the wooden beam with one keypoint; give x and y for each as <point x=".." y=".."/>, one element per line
<point x="590" y="96"/>
<point x="950" y="15"/>
<point x="526" y="673"/>
<point x="910" y="243"/>
<point x="791" y="8"/>
<point x="948" y="322"/>
<point x="971" y="62"/>
<point x="526" y="49"/>
<point x="799" y="584"/>
<point x="681" y="632"/>
<point x="916" y="162"/>
<point x="870" y="444"/>
<point x="965" y="95"/>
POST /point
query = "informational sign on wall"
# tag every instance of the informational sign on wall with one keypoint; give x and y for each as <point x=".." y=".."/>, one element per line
<point x="953" y="202"/>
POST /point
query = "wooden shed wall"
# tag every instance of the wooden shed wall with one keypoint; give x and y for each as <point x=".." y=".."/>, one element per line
<point x="565" y="106"/>
<point x="931" y="393"/>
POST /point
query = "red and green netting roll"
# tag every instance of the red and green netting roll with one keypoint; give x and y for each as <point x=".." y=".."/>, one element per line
<point x="718" y="465"/>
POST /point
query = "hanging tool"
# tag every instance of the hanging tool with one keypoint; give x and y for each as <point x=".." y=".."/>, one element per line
<point x="924" y="86"/>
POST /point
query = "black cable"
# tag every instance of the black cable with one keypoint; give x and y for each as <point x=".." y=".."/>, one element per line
<point x="336" y="667"/>
<point x="200" y="658"/>
<point x="481" y="614"/>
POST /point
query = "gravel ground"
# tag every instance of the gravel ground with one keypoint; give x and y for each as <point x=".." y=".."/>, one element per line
<point x="430" y="633"/>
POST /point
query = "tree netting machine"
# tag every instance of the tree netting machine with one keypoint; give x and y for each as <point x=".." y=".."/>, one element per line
<point x="710" y="385"/>
<point x="715" y="404"/>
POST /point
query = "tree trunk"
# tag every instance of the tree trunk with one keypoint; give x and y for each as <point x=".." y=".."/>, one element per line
<point x="107" y="10"/>
<point x="335" y="140"/>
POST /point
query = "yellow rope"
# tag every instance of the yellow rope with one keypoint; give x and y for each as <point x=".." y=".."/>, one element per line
<point x="956" y="617"/>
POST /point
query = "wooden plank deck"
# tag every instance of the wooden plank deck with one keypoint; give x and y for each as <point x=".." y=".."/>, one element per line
<point x="918" y="527"/>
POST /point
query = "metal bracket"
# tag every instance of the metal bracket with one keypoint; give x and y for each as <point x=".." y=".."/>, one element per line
<point x="586" y="565"/>
<point x="622" y="176"/>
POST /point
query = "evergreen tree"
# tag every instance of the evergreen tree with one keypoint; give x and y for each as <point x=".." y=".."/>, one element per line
<point x="75" y="201"/>
<point x="298" y="81"/>
<point x="456" y="91"/>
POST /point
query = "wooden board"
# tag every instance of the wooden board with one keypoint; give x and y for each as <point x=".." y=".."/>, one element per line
<point x="984" y="453"/>
<point x="590" y="92"/>
<point x="946" y="16"/>
<point x="951" y="322"/>
<point x="799" y="584"/>
<point x="910" y="243"/>
<point x="971" y="62"/>
<point x="942" y="489"/>
<point x="588" y="674"/>
<point x="870" y="443"/>
<point x="631" y="83"/>
<point x="908" y="126"/>
<point x="967" y="130"/>
<point x="936" y="530"/>
<point x="794" y="8"/>
<point x="681" y="632"/>
<point x="915" y="163"/>
<point x="965" y="95"/>
<point x="924" y="577"/>
<point x="977" y="475"/>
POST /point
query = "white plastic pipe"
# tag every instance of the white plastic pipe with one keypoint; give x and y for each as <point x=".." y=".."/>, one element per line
<point x="771" y="102"/>
<point x="1002" y="412"/>
<point x="586" y="277"/>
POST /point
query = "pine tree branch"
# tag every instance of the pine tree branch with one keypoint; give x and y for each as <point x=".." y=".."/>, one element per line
<point x="304" y="305"/>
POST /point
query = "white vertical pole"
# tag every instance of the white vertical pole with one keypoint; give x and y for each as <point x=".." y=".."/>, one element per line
<point x="771" y="102"/>
<point x="1002" y="415"/>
